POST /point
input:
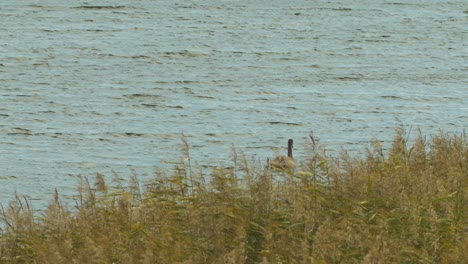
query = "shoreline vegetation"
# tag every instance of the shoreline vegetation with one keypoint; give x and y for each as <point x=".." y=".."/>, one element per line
<point x="408" y="204"/>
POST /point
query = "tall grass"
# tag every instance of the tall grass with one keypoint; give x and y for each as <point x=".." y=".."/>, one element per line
<point x="405" y="205"/>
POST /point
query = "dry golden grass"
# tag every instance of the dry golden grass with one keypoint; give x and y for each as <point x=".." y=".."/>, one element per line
<point x="408" y="205"/>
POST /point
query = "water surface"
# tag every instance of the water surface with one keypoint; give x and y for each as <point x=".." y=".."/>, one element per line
<point x="105" y="87"/>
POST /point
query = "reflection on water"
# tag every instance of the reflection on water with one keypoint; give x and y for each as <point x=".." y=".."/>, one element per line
<point x="93" y="87"/>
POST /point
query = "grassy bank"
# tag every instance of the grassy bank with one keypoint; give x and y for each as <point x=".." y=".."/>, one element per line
<point x="405" y="205"/>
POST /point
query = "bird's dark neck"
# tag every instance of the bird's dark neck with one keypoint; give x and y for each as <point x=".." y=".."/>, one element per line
<point x="290" y="146"/>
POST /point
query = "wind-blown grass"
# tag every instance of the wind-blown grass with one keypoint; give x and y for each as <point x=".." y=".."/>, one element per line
<point x="405" y="205"/>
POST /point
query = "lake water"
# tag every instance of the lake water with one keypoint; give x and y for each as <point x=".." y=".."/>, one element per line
<point x="110" y="86"/>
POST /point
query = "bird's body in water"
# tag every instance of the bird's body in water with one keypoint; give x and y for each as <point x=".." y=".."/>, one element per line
<point x="285" y="162"/>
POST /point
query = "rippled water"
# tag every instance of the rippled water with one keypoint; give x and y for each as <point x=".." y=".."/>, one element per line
<point x="105" y="86"/>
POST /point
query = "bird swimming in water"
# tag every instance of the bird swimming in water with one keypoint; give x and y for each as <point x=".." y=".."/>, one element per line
<point x="284" y="162"/>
